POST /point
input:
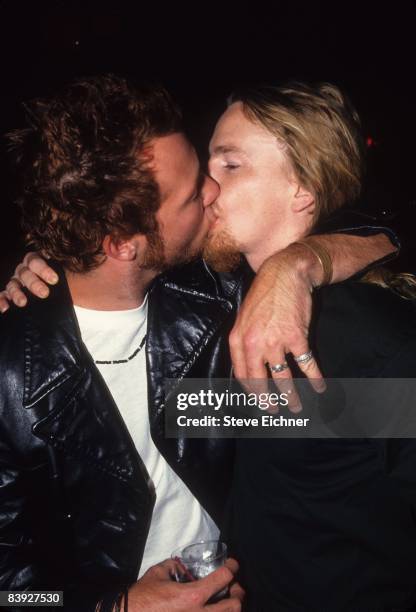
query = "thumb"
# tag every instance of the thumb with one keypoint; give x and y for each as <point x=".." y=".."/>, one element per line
<point x="161" y="572"/>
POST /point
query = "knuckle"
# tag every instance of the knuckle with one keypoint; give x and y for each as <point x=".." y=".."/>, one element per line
<point x="271" y="342"/>
<point x="12" y="286"/>
<point x="20" y="270"/>
<point x="297" y="339"/>
<point x="153" y="572"/>
<point x="35" y="285"/>
<point x="30" y="257"/>
<point x="194" y="597"/>
<point x="251" y="341"/>
<point x="27" y="276"/>
<point x="225" y="574"/>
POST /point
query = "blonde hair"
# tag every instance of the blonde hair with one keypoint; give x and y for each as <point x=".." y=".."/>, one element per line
<point x="402" y="283"/>
<point x="320" y="131"/>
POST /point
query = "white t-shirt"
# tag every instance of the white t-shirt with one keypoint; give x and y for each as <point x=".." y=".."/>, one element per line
<point x="178" y="519"/>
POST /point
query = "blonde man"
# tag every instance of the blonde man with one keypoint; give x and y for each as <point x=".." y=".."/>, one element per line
<point x="316" y="524"/>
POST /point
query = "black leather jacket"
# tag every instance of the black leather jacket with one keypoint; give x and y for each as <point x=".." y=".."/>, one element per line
<point x="75" y="501"/>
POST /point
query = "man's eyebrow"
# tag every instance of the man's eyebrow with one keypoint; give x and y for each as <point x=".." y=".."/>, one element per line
<point x="225" y="149"/>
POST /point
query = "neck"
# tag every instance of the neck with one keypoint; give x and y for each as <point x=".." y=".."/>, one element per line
<point x="270" y="245"/>
<point x="113" y="285"/>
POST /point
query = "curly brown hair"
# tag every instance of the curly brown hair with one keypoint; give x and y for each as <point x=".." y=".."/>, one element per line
<point x="84" y="165"/>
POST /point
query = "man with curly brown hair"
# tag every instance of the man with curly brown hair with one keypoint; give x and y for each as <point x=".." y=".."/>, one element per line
<point x="99" y="168"/>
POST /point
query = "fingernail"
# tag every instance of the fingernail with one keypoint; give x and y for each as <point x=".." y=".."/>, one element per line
<point x="4" y="308"/>
<point x="43" y="292"/>
<point x="21" y="302"/>
<point x="53" y="279"/>
<point x="295" y="409"/>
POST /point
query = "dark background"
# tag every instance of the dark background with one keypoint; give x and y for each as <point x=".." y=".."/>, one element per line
<point x="204" y="50"/>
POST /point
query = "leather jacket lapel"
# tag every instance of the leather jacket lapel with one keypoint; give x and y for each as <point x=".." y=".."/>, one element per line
<point x="190" y="318"/>
<point x="73" y="409"/>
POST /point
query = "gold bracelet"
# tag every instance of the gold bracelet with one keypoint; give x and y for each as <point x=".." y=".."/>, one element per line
<point x="323" y="257"/>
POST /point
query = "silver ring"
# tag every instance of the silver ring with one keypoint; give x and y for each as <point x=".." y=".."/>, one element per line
<point x="279" y="367"/>
<point x="304" y="358"/>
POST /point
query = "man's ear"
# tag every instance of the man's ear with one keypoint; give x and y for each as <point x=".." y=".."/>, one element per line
<point x="303" y="201"/>
<point x="122" y="249"/>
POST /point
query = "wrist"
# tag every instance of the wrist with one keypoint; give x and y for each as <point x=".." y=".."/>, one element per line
<point x="304" y="263"/>
<point x="318" y="266"/>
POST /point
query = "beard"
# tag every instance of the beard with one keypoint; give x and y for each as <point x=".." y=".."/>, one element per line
<point x="154" y="258"/>
<point x="221" y="252"/>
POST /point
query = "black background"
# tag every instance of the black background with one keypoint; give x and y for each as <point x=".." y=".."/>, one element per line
<point x="201" y="51"/>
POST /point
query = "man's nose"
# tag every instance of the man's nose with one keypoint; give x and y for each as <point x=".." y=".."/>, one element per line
<point x="211" y="191"/>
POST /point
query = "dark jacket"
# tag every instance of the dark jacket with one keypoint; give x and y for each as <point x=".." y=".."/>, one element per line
<point x="330" y="524"/>
<point x="75" y="502"/>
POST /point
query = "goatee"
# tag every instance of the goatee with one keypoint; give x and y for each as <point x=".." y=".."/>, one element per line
<point x="221" y="252"/>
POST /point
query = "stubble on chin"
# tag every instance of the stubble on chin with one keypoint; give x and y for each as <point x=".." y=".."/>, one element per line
<point x="221" y="252"/>
<point x="156" y="259"/>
